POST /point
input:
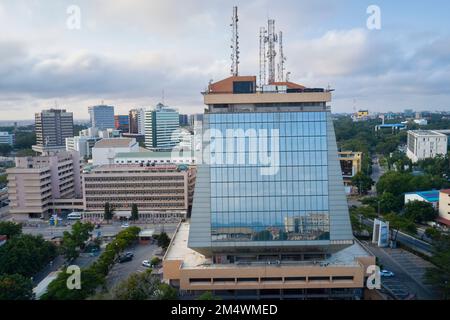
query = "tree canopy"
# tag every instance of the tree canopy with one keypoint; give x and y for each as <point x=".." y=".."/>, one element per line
<point x="420" y="211"/>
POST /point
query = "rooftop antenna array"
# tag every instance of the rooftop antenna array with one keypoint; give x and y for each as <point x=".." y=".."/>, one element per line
<point x="282" y="58"/>
<point x="272" y="38"/>
<point x="235" y="43"/>
<point x="262" y="56"/>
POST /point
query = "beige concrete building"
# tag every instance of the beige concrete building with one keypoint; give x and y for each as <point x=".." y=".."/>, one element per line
<point x="154" y="188"/>
<point x="444" y="207"/>
<point x="36" y="183"/>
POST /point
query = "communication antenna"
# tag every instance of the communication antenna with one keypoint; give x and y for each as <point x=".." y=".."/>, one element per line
<point x="235" y="43"/>
<point x="282" y="58"/>
<point x="271" y="53"/>
<point x="262" y="56"/>
<point x="287" y="75"/>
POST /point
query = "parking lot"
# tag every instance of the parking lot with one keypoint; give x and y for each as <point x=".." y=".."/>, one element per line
<point x="122" y="271"/>
<point x="408" y="269"/>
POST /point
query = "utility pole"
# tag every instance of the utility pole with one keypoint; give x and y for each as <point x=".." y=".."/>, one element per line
<point x="235" y="43"/>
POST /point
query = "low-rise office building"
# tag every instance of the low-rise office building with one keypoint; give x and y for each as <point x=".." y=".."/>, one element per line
<point x="423" y="144"/>
<point x="105" y="150"/>
<point x="431" y="196"/>
<point x="153" y="188"/>
<point x="350" y="164"/>
<point x="36" y="182"/>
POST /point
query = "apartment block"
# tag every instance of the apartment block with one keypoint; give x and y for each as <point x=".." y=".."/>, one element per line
<point x="423" y="144"/>
<point x="36" y="182"/>
<point x="151" y="187"/>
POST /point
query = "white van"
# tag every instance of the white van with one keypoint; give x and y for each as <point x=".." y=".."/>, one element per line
<point x="74" y="216"/>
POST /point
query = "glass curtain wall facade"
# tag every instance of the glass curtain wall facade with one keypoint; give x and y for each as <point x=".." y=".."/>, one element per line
<point x="290" y="203"/>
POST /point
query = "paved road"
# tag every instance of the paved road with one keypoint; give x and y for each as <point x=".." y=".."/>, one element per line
<point x="106" y="230"/>
<point x="408" y="269"/>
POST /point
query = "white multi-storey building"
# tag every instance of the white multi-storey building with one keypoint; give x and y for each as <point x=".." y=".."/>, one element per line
<point x="423" y="144"/>
<point x="82" y="144"/>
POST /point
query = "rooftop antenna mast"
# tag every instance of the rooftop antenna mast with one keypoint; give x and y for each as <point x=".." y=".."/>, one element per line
<point x="282" y="58"/>
<point x="271" y="53"/>
<point x="235" y="43"/>
<point x="262" y="56"/>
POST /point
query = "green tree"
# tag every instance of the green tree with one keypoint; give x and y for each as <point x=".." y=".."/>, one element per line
<point x="155" y="261"/>
<point x="15" y="287"/>
<point x="58" y="290"/>
<point x="10" y="229"/>
<point x="5" y="149"/>
<point x="134" y="212"/>
<point x="166" y="292"/>
<point x="108" y="211"/>
<point x="363" y="182"/>
<point x="398" y="223"/>
<point x="138" y="286"/>
<point x="439" y="276"/>
<point x="76" y="239"/>
<point x="433" y="234"/>
<point x="420" y="211"/>
<point x="163" y="240"/>
<point x="207" y="295"/>
<point x="26" y="254"/>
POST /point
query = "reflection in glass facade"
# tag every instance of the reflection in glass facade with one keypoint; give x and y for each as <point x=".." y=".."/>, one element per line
<point x="289" y="205"/>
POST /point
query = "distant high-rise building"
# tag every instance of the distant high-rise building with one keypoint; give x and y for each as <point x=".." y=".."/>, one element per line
<point x="195" y="118"/>
<point x="7" y="138"/>
<point x="184" y="120"/>
<point x="52" y="128"/>
<point x="102" y="117"/>
<point x="137" y="121"/>
<point x="162" y="126"/>
<point x="121" y="122"/>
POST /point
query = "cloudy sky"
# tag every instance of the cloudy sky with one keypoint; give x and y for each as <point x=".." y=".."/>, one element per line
<point x="127" y="52"/>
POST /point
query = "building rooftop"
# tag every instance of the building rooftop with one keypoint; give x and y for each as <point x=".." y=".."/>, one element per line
<point x="179" y="250"/>
<point x="132" y="168"/>
<point x="115" y="143"/>
<point x="153" y="154"/>
<point x="430" y="196"/>
<point x="446" y="191"/>
<point x="426" y="133"/>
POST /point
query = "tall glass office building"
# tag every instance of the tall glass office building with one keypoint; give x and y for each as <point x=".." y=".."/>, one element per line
<point x="269" y="178"/>
<point x="269" y="217"/>
<point x="288" y="203"/>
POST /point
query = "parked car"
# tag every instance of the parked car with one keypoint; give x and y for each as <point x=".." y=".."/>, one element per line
<point x="129" y="254"/>
<point x="125" y="258"/>
<point x="125" y="225"/>
<point x="386" y="273"/>
<point x="146" y="263"/>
